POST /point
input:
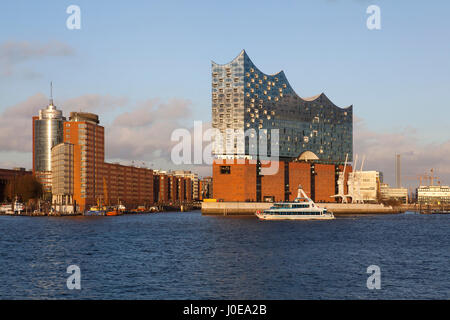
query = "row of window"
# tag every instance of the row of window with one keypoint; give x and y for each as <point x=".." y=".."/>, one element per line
<point x="292" y="213"/>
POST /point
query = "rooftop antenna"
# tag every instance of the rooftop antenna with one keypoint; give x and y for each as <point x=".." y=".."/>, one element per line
<point x="51" y="93"/>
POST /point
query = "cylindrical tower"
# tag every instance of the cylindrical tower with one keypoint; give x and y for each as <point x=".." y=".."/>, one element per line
<point x="48" y="132"/>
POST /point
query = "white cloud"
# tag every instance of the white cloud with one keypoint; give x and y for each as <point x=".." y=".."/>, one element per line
<point x="144" y="133"/>
<point x="417" y="158"/>
<point x="16" y="121"/>
<point x="15" y="53"/>
<point x="16" y="124"/>
<point x="93" y="103"/>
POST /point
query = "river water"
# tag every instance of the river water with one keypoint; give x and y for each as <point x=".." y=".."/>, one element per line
<point x="190" y="256"/>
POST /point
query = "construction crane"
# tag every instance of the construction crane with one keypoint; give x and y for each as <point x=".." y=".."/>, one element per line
<point x="105" y="192"/>
<point x="424" y="177"/>
<point x="341" y="183"/>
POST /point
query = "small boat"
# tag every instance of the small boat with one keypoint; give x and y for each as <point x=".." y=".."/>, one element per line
<point x="95" y="211"/>
<point x="6" y="209"/>
<point x="18" y="207"/>
<point x="303" y="208"/>
<point x="114" y="212"/>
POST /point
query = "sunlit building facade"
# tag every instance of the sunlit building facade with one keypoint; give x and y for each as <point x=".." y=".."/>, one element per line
<point x="245" y="98"/>
<point x="47" y="132"/>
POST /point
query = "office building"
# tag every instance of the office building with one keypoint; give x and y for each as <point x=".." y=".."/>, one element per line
<point x="433" y="195"/>
<point x="397" y="194"/>
<point x="81" y="176"/>
<point x="47" y="132"/>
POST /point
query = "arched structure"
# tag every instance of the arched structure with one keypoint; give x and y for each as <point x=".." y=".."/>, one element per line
<point x="245" y="98"/>
<point x="308" y="156"/>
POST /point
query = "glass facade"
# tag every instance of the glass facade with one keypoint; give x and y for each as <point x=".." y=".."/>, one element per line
<point x="48" y="132"/>
<point x="244" y="98"/>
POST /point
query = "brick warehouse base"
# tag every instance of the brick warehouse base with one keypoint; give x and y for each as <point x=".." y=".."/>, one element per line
<point x="239" y="180"/>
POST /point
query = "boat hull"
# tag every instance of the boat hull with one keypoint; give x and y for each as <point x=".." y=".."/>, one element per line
<point x="263" y="216"/>
<point x="94" y="213"/>
<point x="113" y="213"/>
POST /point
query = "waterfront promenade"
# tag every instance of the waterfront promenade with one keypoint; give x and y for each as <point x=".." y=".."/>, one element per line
<point x="249" y="208"/>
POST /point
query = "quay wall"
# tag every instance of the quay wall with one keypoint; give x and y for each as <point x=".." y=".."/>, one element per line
<point x="249" y="208"/>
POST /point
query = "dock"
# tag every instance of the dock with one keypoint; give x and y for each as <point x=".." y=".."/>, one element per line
<point x="249" y="208"/>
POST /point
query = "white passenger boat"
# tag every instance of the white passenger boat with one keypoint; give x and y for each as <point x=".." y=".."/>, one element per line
<point x="303" y="208"/>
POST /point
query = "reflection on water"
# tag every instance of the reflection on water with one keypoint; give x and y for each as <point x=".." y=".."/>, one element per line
<point x="188" y="256"/>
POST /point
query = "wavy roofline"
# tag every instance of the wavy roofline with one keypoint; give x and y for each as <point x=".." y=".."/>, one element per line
<point x="234" y="59"/>
<point x="281" y="73"/>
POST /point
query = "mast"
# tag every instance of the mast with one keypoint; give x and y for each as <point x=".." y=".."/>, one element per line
<point x="51" y="93"/>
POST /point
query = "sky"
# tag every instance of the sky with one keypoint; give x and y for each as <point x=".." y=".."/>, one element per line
<point x="145" y="68"/>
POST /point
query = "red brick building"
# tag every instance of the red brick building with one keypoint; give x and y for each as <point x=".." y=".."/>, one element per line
<point x="7" y="175"/>
<point x="242" y="181"/>
<point x="169" y="188"/>
<point x="234" y="181"/>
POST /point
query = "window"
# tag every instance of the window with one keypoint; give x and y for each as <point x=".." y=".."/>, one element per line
<point x="225" y="170"/>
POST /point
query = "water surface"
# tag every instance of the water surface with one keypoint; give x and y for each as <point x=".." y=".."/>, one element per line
<point x="189" y="256"/>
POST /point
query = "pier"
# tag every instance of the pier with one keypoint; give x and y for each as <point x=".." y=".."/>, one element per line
<point x="427" y="208"/>
<point x="249" y="208"/>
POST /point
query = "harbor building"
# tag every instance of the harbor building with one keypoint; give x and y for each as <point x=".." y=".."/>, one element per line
<point x="194" y="181"/>
<point x="433" y="195"/>
<point x="315" y="137"/>
<point x="63" y="174"/>
<point x="398" y="194"/>
<point x="171" y="188"/>
<point x="237" y="181"/>
<point x="243" y="97"/>
<point x="364" y="186"/>
<point x="83" y="130"/>
<point x="47" y="132"/>
<point x="8" y="175"/>
<point x="82" y="178"/>
<point x="206" y="188"/>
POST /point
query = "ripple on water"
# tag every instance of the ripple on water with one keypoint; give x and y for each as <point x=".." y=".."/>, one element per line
<point x="188" y="256"/>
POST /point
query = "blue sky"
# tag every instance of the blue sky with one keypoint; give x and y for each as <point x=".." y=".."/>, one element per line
<point x="397" y="78"/>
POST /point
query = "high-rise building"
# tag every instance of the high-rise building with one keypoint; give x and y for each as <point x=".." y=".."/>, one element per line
<point x="47" y="132"/>
<point x="83" y="130"/>
<point x="82" y="178"/>
<point x="62" y="172"/>
<point x="244" y="98"/>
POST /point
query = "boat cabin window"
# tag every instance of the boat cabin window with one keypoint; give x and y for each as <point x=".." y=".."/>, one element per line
<point x="280" y="205"/>
<point x="293" y="213"/>
<point x="300" y="206"/>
